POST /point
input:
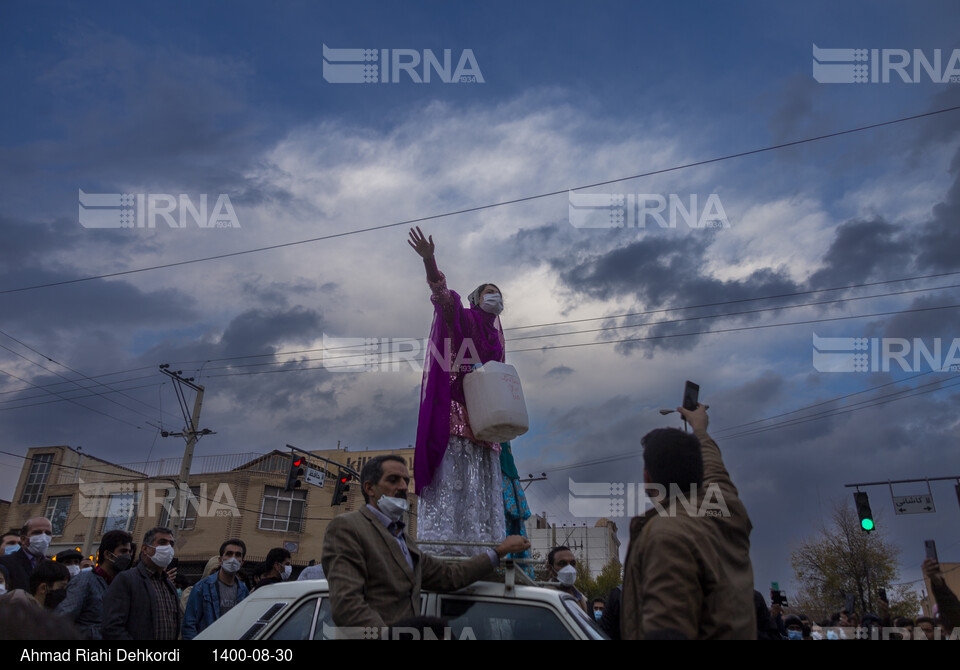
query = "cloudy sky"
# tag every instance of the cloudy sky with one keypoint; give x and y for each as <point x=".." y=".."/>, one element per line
<point x="781" y="245"/>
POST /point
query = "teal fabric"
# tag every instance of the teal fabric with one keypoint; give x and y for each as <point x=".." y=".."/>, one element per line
<point x="507" y="465"/>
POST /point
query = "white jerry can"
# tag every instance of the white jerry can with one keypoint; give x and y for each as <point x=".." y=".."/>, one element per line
<point x="495" y="402"/>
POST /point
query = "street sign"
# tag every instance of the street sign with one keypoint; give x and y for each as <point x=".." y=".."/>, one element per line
<point x="922" y="504"/>
<point x="315" y="477"/>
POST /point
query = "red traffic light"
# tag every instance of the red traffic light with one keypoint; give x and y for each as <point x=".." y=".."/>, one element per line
<point x="298" y="462"/>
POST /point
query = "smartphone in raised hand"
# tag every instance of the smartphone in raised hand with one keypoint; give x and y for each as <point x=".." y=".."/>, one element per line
<point x="691" y="395"/>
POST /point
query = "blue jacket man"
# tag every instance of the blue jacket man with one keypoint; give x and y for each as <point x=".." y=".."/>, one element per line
<point x="214" y="596"/>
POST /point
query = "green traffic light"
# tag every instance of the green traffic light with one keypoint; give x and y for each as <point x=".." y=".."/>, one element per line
<point x="866" y="524"/>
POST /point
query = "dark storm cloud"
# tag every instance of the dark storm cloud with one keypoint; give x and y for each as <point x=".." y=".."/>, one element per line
<point x="67" y="311"/>
<point x="929" y="324"/>
<point x="278" y="294"/>
<point x="174" y="121"/>
<point x="256" y="331"/>
<point x="559" y="371"/>
<point x="939" y="239"/>
<point x="661" y="271"/>
<point x="664" y="272"/>
<point x="861" y="250"/>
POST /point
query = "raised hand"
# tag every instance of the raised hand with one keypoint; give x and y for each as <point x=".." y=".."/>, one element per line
<point x="420" y="243"/>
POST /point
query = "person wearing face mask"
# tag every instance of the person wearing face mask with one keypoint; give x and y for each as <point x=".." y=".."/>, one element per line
<point x="4" y="578"/>
<point x="141" y="603"/>
<point x="9" y="542"/>
<point x="279" y="568"/>
<point x="84" y="600"/>
<point x="70" y="559"/>
<point x="449" y="460"/>
<point x="48" y="584"/>
<point x="35" y="538"/>
<point x="562" y="568"/>
<point x="216" y="595"/>
<point x="374" y="570"/>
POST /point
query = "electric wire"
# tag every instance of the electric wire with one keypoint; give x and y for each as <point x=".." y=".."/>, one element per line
<point x="478" y="208"/>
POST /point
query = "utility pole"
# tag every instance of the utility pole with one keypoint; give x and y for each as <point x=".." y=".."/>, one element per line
<point x="190" y="433"/>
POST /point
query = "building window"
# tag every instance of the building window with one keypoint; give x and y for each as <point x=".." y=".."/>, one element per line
<point x="189" y="521"/>
<point x="57" y="510"/>
<point x="36" y="479"/>
<point x="121" y="511"/>
<point x="282" y="510"/>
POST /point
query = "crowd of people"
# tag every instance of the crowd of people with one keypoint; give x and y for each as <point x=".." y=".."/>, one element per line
<point x="687" y="573"/>
<point x="125" y="594"/>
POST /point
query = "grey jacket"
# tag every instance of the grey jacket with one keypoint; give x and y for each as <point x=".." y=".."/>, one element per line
<point x="84" y="603"/>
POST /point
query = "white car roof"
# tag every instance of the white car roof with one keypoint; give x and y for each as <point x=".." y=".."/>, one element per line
<point x="265" y="603"/>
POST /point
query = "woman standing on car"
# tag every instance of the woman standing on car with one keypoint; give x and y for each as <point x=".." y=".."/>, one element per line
<point x="458" y="479"/>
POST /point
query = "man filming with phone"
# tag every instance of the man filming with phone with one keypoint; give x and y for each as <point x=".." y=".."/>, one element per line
<point x="688" y="574"/>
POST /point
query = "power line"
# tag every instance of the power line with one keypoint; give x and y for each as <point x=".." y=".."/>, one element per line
<point x="576" y="332"/>
<point x="741" y="313"/>
<point x="106" y="374"/>
<point x="739" y="300"/>
<point x="819" y="404"/>
<point x="77" y="372"/>
<point x="631" y="339"/>
<point x="618" y="316"/>
<point x="612" y="316"/>
<point x="89" y="395"/>
<point x="478" y="208"/>
<point x="92" y="409"/>
<point x="72" y="381"/>
<point x="45" y="386"/>
<point x="906" y="393"/>
<point x="851" y="408"/>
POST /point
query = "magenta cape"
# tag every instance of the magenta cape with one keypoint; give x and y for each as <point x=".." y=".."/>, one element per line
<point x="456" y="343"/>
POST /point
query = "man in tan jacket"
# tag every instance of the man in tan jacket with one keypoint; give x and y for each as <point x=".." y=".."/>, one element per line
<point x="688" y="573"/>
<point x="374" y="570"/>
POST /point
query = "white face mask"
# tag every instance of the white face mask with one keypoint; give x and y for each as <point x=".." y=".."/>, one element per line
<point x="287" y="571"/>
<point x="3" y="589"/>
<point x="74" y="570"/>
<point x="231" y="565"/>
<point x="393" y="508"/>
<point x="567" y="575"/>
<point x="86" y="569"/>
<point x="492" y="303"/>
<point x="39" y="543"/>
<point x="163" y="556"/>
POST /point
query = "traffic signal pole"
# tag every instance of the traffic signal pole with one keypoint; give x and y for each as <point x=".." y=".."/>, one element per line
<point x="297" y="467"/>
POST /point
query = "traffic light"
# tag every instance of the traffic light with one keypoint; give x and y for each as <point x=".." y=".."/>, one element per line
<point x="296" y="472"/>
<point x="341" y="489"/>
<point x="864" y="511"/>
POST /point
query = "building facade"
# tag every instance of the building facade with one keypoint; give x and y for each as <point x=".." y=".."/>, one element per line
<point x="597" y="545"/>
<point x="234" y="495"/>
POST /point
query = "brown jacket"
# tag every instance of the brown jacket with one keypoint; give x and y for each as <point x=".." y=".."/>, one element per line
<point x="370" y="581"/>
<point x="688" y="574"/>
